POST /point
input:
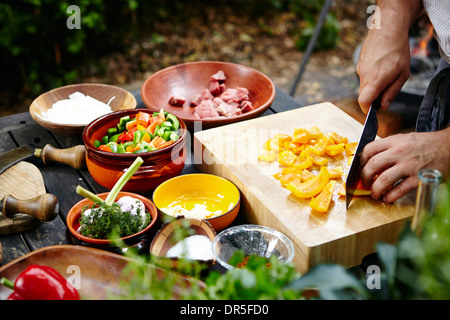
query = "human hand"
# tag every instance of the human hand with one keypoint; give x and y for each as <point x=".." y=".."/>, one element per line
<point x="383" y="67"/>
<point x="397" y="159"/>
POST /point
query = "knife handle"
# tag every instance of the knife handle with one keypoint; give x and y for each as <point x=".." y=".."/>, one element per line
<point x="74" y="157"/>
<point x="44" y="207"/>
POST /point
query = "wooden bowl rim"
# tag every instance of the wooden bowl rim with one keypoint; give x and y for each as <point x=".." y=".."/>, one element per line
<point x="243" y="116"/>
<point x="45" y="123"/>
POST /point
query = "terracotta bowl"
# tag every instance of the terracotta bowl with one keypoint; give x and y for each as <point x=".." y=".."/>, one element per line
<point x="139" y="240"/>
<point x="106" y="167"/>
<point x="164" y="240"/>
<point x="221" y="193"/>
<point x="102" y="92"/>
<point x="189" y="79"/>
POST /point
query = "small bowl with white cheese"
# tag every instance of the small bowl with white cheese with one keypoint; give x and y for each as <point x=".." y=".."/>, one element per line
<point x="199" y="196"/>
<point x="181" y="243"/>
<point x="82" y="211"/>
<point x="67" y="110"/>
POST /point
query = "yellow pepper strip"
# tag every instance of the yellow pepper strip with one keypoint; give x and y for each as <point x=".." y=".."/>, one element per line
<point x="287" y="158"/>
<point x="273" y="145"/>
<point x="292" y="169"/>
<point x="350" y="159"/>
<point x="303" y="163"/>
<point x="267" y="155"/>
<point x="350" y="148"/>
<point x="306" y="175"/>
<point x="335" y="149"/>
<point x="300" y="136"/>
<point x="318" y="160"/>
<point x="311" y="187"/>
<point x="321" y="145"/>
<point x="282" y="137"/>
<point x="314" y="133"/>
<point x="285" y="179"/>
<point x="337" y="138"/>
<point x="322" y="202"/>
<point x="336" y="172"/>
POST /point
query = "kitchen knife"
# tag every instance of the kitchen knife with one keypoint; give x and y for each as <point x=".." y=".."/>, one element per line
<point x="74" y="157"/>
<point x="368" y="134"/>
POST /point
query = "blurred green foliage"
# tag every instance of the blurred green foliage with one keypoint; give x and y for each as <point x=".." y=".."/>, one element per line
<point x="34" y="37"/>
<point x="416" y="268"/>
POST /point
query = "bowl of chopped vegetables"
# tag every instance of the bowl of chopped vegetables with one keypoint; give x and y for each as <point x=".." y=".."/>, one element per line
<point x="115" y="140"/>
<point x="67" y="110"/>
<point x="199" y="196"/>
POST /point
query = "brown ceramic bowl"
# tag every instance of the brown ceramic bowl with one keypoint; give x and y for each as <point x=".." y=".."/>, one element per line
<point x="102" y="92"/>
<point x="140" y="239"/>
<point x="164" y="240"/>
<point x="189" y="79"/>
<point x="199" y="188"/>
<point x="106" y="167"/>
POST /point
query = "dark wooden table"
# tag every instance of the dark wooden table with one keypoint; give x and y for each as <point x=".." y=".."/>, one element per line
<point x="61" y="180"/>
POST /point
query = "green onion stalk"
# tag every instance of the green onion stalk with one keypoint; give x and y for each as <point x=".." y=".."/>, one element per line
<point x="117" y="187"/>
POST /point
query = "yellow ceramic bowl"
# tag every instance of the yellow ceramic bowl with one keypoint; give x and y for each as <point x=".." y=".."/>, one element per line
<point x="192" y="191"/>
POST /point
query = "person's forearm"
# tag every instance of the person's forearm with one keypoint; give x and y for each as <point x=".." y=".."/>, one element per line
<point x="399" y="15"/>
<point x="384" y="62"/>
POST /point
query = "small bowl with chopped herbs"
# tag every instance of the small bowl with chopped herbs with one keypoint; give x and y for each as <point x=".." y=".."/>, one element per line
<point x="98" y="220"/>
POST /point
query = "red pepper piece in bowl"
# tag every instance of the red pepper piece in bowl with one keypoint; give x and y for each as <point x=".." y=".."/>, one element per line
<point x="41" y="283"/>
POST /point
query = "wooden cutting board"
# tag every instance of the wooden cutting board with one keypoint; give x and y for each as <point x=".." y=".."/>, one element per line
<point x="338" y="236"/>
<point x="23" y="181"/>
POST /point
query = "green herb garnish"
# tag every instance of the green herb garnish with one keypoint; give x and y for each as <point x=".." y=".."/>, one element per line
<point x="103" y="220"/>
<point x="106" y="216"/>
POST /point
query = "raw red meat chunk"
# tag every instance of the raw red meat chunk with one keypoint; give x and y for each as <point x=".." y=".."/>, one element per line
<point x="219" y="101"/>
<point x="177" y="101"/>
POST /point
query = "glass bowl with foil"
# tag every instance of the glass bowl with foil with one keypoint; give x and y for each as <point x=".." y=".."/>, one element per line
<point x="251" y="240"/>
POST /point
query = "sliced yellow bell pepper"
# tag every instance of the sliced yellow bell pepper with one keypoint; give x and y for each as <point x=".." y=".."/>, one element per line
<point x="311" y="187"/>
<point x="267" y="155"/>
<point x="322" y="202"/>
<point x="287" y="158"/>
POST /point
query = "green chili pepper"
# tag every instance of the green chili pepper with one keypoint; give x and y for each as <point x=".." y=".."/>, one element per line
<point x="137" y="137"/>
<point x="120" y="148"/>
<point x="104" y="140"/>
<point x="114" y="137"/>
<point x="175" y="122"/>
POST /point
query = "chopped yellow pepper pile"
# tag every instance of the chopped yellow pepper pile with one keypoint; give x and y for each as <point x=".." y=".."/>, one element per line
<point x="302" y="153"/>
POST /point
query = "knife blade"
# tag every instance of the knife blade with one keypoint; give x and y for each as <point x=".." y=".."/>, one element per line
<point x="74" y="157"/>
<point x="368" y="134"/>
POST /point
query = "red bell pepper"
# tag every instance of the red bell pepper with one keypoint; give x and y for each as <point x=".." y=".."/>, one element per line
<point x="41" y="283"/>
